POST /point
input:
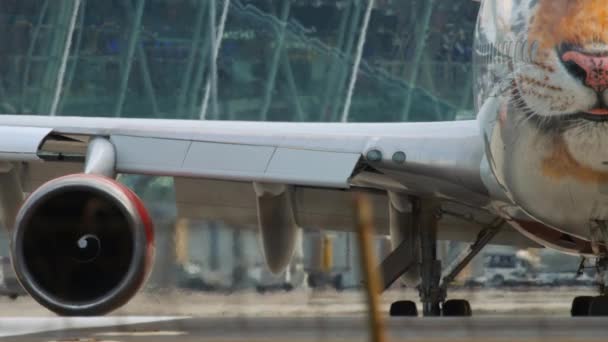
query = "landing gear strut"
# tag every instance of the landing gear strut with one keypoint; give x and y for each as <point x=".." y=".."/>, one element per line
<point x="419" y="253"/>
<point x="457" y="307"/>
<point x="598" y="306"/>
<point x="427" y="213"/>
<point x="595" y="306"/>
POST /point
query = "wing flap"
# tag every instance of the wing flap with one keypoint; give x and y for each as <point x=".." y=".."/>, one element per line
<point x="217" y="158"/>
<point x="314" y="168"/>
<point x="237" y="162"/>
<point x="21" y="143"/>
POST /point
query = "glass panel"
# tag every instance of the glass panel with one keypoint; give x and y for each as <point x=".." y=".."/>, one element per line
<point x="275" y="59"/>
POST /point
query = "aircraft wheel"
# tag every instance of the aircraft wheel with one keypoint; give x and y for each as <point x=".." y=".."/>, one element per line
<point x="404" y="308"/>
<point x="599" y="306"/>
<point x="457" y="308"/>
<point x="581" y="306"/>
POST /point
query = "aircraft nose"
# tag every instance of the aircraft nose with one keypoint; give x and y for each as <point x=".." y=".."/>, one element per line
<point x="592" y="70"/>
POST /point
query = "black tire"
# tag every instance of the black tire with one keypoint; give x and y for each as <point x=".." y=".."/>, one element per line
<point x="457" y="308"/>
<point x="580" y="306"/>
<point x="404" y="308"/>
<point x="599" y="306"/>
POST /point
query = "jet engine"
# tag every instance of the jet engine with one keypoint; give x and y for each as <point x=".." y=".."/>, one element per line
<point x="82" y="245"/>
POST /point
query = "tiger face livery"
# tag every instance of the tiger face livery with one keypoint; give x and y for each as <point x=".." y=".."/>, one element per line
<point x="565" y="88"/>
<point x="542" y="98"/>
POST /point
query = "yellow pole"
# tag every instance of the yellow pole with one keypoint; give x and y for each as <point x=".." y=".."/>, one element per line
<point x="327" y="260"/>
<point x="181" y="241"/>
<point x="365" y="229"/>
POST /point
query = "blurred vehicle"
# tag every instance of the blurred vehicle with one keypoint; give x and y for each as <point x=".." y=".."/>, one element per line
<point x="9" y="285"/>
<point x="564" y="279"/>
<point x="505" y="268"/>
<point x="265" y="281"/>
<point x="193" y="276"/>
<point x="322" y="280"/>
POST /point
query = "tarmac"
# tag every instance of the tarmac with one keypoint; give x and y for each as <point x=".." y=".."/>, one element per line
<point x="302" y="316"/>
<point x="188" y="329"/>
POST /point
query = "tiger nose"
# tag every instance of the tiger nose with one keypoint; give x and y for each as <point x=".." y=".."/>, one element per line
<point x="592" y="70"/>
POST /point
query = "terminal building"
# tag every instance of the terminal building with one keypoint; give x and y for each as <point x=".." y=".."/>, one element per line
<point x="238" y="59"/>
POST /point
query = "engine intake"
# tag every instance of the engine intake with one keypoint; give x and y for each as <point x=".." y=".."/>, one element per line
<point x="82" y="245"/>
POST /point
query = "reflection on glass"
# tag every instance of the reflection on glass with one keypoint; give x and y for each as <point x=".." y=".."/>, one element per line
<point x="238" y="59"/>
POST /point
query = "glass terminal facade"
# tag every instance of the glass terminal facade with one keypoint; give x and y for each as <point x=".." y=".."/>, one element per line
<point x="280" y="60"/>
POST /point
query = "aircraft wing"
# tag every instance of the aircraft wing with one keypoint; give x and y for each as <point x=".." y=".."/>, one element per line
<point x="311" y="154"/>
<point x="214" y="163"/>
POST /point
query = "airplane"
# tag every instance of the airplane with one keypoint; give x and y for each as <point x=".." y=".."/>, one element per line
<point x="530" y="170"/>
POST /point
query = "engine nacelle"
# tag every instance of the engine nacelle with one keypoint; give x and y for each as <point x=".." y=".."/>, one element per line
<point x="278" y="228"/>
<point x="82" y="245"/>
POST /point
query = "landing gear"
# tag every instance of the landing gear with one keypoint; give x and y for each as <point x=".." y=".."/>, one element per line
<point x="416" y="253"/>
<point x="427" y="213"/>
<point x="589" y="306"/>
<point x="599" y="306"/>
<point x="580" y="306"/>
<point x="593" y="306"/>
<point x="404" y="308"/>
<point x="450" y="308"/>
<point x="457" y="308"/>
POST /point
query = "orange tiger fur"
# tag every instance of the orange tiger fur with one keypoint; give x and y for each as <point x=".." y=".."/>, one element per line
<point x="580" y="22"/>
